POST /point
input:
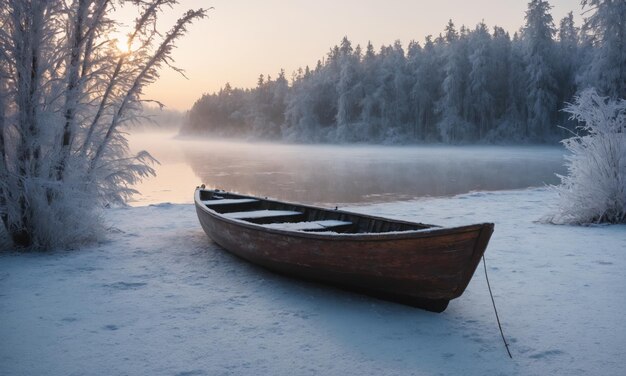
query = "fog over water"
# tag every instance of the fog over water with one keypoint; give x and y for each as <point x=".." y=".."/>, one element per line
<point x="338" y="174"/>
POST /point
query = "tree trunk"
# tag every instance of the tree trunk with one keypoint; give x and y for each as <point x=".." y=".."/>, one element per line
<point x="3" y="159"/>
<point x="71" y="100"/>
<point x="28" y="41"/>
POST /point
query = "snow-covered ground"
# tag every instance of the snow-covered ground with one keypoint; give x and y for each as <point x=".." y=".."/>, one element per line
<point x="159" y="298"/>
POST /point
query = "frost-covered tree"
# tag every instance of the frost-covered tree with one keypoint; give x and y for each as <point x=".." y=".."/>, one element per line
<point x="349" y="93"/>
<point x="309" y="107"/>
<point x="393" y="92"/>
<point x="499" y="71"/>
<point x="279" y="91"/>
<point x="594" y="190"/>
<point x="300" y="118"/>
<point x="515" y="125"/>
<point x="541" y="85"/>
<point x="261" y="114"/>
<point x="65" y="91"/>
<point x="426" y="90"/>
<point x="480" y="109"/>
<point x="568" y="62"/>
<point x="224" y="113"/>
<point x="452" y="106"/>
<point x="605" y="27"/>
<point x="370" y="106"/>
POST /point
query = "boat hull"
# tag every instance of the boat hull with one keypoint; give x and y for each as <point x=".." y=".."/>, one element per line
<point x="425" y="269"/>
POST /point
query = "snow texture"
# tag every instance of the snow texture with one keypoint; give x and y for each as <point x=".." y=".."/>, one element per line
<point x="160" y="298"/>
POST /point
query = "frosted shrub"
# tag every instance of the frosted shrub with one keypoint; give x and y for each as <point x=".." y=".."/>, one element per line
<point x="594" y="190"/>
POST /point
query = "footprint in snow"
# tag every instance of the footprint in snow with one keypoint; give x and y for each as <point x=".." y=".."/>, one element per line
<point x="125" y="285"/>
<point x="545" y="354"/>
<point x="192" y="373"/>
<point x="600" y="262"/>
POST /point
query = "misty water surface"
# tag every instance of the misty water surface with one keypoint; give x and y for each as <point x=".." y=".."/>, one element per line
<point x="338" y="174"/>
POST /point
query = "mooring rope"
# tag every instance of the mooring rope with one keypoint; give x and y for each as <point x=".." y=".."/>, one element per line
<point x="495" y="310"/>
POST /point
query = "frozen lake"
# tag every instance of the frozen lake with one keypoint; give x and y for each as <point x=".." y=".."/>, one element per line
<point x="338" y="174"/>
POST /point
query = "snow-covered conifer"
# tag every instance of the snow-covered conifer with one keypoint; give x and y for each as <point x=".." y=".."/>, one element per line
<point x="568" y="62"/>
<point x="499" y="70"/>
<point x="480" y="99"/>
<point x="541" y="85"/>
<point x="452" y="125"/>
<point x="427" y="74"/>
<point x="349" y="94"/>
<point x="605" y="27"/>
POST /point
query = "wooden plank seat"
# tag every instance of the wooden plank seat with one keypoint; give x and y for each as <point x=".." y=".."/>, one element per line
<point x="311" y="226"/>
<point x="266" y="216"/>
<point x="229" y="201"/>
<point x="231" y="205"/>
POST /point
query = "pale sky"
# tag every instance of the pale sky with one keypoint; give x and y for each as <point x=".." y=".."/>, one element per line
<point x="244" y="38"/>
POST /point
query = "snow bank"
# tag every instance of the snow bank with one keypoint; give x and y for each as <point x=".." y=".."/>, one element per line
<point x="159" y="298"/>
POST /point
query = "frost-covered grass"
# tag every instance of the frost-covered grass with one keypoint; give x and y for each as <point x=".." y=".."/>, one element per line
<point x="159" y="298"/>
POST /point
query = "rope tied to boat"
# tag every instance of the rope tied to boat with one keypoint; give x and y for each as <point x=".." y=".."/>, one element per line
<point x="506" y="345"/>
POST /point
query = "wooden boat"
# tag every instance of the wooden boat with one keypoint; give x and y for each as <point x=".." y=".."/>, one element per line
<point x="412" y="263"/>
